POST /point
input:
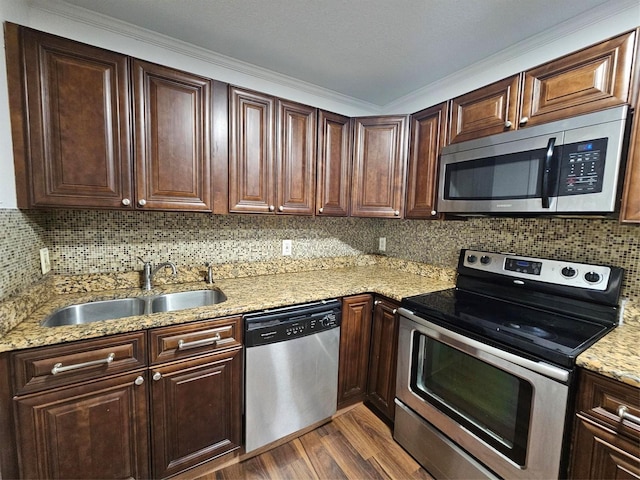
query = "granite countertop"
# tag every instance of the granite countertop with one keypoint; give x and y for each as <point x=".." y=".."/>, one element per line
<point x="243" y="295"/>
<point x="616" y="355"/>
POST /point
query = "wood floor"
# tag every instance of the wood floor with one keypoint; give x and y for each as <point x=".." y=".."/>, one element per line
<point x="355" y="445"/>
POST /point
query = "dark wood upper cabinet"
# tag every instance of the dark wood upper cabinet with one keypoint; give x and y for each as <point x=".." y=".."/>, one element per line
<point x="428" y="134"/>
<point x="172" y="124"/>
<point x="296" y="158"/>
<point x="591" y="79"/>
<point x="335" y="143"/>
<point x="486" y="111"/>
<point x="72" y="128"/>
<point x="630" y="208"/>
<point x="272" y="156"/>
<point x="70" y="121"/>
<point x="379" y="162"/>
<point x="251" y="151"/>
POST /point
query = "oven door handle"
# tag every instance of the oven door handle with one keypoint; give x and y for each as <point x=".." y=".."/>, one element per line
<point x="439" y="333"/>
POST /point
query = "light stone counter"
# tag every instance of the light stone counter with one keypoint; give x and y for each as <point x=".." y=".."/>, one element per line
<point x="617" y="354"/>
<point x="243" y="295"/>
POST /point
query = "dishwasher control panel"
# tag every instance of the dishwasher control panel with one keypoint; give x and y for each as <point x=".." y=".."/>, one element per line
<point x="287" y="323"/>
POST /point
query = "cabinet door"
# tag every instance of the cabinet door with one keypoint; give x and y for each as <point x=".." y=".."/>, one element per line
<point x="196" y="411"/>
<point x="355" y="337"/>
<point x="591" y="79"/>
<point x="95" y="430"/>
<point x="379" y="162"/>
<point x="486" y="111"/>
<point x="381" y="388"/>
<point x="428" y="132"/>
<point x="630" y="208"/>
<point x="296" y="158"/>
<point x="76" y="122"/>
<point x="251" y="152"/>
<point x="173" y="153"/>
<point x="335" y="139"/>
<point x="601" y="453"/>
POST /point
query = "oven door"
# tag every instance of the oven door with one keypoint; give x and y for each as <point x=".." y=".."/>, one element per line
<point x="504" y="410"/>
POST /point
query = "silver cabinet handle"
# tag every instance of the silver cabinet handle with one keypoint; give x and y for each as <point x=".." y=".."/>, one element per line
<point x="394" y="311"/>
<point x="126" y="202"/>
<point x="321" y="210"/>
<point x="182" y="345"/>
<point x="281" y="208"/>
<point x="156" y="376"/>
<point x="142" y="202"/>
<point x="623" y="413"/>
<point x="508" y="124"/>
<point x="396" y="213"/>
<point x="377" y="302"/>
<point x="139" y="380"/>
<point x="59" y="368"/>
<point x="271" y="208"/>
<point x="524" y="120"/>
<point x="434" y="213"/>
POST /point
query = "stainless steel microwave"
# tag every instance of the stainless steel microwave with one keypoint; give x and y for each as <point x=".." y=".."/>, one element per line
<point x="569" y="166"/>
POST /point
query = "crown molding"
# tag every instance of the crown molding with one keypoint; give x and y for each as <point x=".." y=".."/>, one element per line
<point x="516" y="52"/>
<point x="109" y="24"/>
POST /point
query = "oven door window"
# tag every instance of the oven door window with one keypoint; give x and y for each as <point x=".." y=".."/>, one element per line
<point x="505" y="177"/>
<point x="491" y="403"/>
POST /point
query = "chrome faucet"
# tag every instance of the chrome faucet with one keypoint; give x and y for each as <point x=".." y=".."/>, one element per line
<point x="148" y="272"/>
<point x="209" y="276"/>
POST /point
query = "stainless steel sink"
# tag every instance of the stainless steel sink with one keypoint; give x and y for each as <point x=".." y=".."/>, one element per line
<point x="96" y="311"/>
<point x="179" y="301"/>
<point x="128" y="307"/>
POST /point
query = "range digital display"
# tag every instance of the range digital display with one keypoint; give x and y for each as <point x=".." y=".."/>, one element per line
<point x="523" y="266"/>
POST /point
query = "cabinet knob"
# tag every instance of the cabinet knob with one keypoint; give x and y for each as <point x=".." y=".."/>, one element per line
<point x="394" y="311"/>
<point x="126" y="202"/>
<point x="281" y="208"/>
<point x="139" y="380"/>
<point x="142" y="202"/>
<point x="321" y="210"/>
<point x="524" y="120"/>
<point x="396" y="213"/>
<point x="156" y="376"/>
<point x="377" y="302"/>
<point x="508" y="124"/>
<point x="271" y="208"/>
<point x="433" y="213"/>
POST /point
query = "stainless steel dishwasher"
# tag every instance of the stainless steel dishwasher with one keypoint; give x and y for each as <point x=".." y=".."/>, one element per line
<point x="291" y="369"/>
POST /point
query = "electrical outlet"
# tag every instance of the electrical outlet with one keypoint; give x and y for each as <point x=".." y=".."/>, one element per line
<point x="45" y="264"/>
<point x="286" y="248"/>
<point x="382" y="244"/>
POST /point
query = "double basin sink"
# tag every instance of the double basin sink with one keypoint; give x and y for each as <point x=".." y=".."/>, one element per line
<point x="132" y="306"/>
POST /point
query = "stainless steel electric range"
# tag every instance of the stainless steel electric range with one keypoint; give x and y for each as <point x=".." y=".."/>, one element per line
<point x="485" y="370"/>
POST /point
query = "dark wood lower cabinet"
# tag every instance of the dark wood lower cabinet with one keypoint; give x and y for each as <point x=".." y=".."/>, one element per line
<point x="95" y="430"/>
<point x="195" y="411"/>
<point x="381" y="385"/>
<point x="605" y="446"/>
<point x="355" y="335"/>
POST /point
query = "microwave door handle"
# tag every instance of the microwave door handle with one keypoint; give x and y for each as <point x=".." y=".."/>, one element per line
<point x="546" y="174"/>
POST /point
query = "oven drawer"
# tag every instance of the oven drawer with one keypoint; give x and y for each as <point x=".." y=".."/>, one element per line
<point x="601" y="399"/>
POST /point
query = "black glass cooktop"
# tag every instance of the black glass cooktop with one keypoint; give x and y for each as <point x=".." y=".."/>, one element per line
<point x="534" y="332"/>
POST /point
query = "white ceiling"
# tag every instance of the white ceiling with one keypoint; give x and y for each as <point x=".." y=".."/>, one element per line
<point x="372" y="50"/>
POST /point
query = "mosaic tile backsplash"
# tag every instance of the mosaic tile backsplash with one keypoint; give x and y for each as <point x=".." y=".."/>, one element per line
<point x="110" y="241"/>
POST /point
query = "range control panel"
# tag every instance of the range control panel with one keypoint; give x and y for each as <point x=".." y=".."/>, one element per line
<point x="572" y="274"/>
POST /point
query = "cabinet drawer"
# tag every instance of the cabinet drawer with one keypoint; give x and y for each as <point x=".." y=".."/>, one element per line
<point x="601" y="399"/>
<point x="183" y="341"/>
<point x="49" y="367"/>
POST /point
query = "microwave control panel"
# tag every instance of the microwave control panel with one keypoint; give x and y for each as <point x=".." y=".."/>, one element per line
<point x="582" y="167"/>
